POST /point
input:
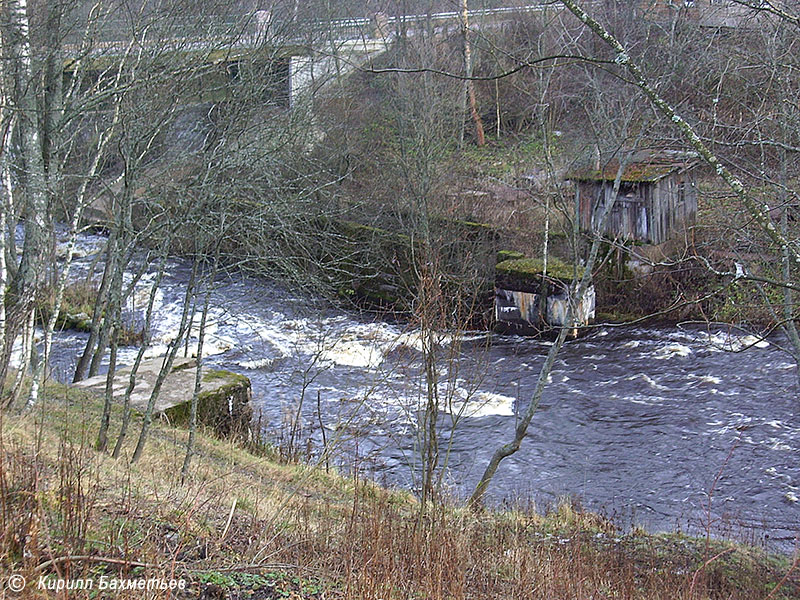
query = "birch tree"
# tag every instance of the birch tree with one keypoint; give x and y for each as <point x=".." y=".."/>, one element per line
<point x="20" y="70"/>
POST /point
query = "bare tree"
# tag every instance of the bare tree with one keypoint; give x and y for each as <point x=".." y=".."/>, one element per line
<point x="22" y="62"/>
<point x="768" y="134"/>
<point x="469" y="86"/>
<point x="580" y="285"/>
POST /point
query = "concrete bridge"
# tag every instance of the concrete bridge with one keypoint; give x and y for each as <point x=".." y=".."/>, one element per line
<point x="305" y="55"/>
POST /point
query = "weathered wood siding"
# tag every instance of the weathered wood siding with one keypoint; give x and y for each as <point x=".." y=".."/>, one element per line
<point x="628" y="218"/>
<point x="650" y="212"/>
<point x="673" y="207"/>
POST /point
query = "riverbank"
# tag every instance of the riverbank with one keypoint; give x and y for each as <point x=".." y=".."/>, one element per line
<point x="248" y="526"/>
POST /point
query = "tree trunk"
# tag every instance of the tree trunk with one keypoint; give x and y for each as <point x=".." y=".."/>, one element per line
<point x="100" y="304"/>
<point x="105" y="420"/>
<point x="26" y="354"/>
<point x="198" y="379"/>
<point x="74" y="229"/>
<point x="148" y="319"/>
<point x="789" y="325"/>
<point x="469" y="87"/>
<point x="576" y="296"/>
<point x="166" y="366"/>
<point x="430" y="442"/>
<point x="17" y="56"/>
<point x="113" y="317"/>
<point x="5" y="206"/>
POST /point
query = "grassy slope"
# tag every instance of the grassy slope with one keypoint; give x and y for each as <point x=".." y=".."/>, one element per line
<point x="298" y="532"/>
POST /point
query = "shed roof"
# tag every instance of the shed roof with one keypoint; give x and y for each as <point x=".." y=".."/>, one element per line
<point x="644" y="166"/>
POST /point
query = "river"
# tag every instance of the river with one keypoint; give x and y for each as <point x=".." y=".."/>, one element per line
<point x="645" y="424"/>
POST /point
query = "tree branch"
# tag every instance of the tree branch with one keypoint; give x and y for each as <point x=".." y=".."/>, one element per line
<point x="759" y="212"/>
<point x="528" y="64"/>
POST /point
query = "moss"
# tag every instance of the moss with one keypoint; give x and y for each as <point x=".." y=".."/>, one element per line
<point x="504" y="255"/>
<point x="368" y="265"/>
<point x="75" y="322"/>
<point x="375" y="266"/>
<point x="216" y="398"/>
<point x="611" y="316"/>
<point x="650" y="170"/>
<point x="530" y="269"/>
<point x="507" y="155"/>
<point x="473" y="227"/>
<point x="185" y="366"/>
<point x="77" y="303"/>
<point x="225" y="408"/>
<point x="358" y="232"/>
<point x="377" y="297"/>
<point x="219" y="375"/>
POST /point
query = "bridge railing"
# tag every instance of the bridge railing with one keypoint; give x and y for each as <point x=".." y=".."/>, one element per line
<point x="344" y="29"/>
<point x="261" y="25"/>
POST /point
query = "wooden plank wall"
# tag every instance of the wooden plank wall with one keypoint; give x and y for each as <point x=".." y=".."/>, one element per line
<point x="646" y="212"/>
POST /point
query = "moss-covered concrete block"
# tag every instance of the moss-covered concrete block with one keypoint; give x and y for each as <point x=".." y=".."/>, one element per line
<point x="223" y="404"/>
<point x="531" y="269"/>
<point x="529" y="301"/>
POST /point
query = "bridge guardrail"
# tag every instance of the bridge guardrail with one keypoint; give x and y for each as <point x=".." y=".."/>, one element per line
<point x="251" y="26"/>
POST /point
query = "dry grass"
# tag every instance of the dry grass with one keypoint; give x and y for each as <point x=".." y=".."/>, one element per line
<point x="248" y="527"/>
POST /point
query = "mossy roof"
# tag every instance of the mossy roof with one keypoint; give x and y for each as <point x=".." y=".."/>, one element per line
<point x="644" y="168"/>
<point x="531" y="268"/>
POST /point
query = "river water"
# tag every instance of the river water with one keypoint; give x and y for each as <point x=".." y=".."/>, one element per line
<point x="647" y="424"/>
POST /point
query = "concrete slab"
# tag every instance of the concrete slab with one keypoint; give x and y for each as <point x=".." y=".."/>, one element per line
<point x="224" y="401"/>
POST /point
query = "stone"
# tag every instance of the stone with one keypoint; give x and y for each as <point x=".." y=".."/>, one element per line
<point x="223" y="403"/>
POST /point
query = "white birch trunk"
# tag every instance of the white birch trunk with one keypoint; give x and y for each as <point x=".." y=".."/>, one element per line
<point x="25" y="358"/>
<point x="6" y="237"/>
<point x="20" y="87"/>
<point x="20" y="105"/>
<point x="74" y="230"/>
<point x="26" y="109"/>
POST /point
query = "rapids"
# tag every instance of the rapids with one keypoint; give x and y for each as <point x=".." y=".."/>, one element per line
<point x="640" y="423"/>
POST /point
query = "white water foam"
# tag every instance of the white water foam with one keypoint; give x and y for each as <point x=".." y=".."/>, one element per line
<point x="713" y="379"/>
<point x="649" y="380"/>
<point x="631" y="344"/>
<point x="261" y="363"/>
<point x="352" y="353"/>
<point x="455" y="398"/>
<point x="338" y="341"/>
<point x="730" y="342"/>
<point x="85" y="245"/>
<point x="484" y="404"/>
<point x="672" y="350"/>
<point x="646" y="400"/>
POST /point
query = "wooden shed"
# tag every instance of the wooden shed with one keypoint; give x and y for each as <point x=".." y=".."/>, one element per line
<point x="657" y="196"/>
